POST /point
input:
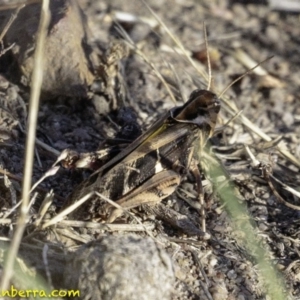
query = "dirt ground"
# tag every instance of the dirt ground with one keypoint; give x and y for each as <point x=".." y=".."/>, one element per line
<point x="87" y="118"/>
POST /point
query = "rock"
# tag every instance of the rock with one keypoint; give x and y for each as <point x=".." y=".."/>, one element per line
<point x="69" y="59"/>
<point x="120" y="267"/>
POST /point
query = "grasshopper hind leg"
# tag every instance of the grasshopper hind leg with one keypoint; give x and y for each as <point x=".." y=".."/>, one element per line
<point x="155" y="189"/>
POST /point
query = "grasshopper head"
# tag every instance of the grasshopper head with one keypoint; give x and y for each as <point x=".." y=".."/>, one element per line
<point x="201" y="109"/>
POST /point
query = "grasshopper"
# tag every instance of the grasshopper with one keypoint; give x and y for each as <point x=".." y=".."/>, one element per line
<point x="151" y="167"/>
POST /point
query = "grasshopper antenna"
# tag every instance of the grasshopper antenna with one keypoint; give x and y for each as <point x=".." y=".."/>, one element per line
<point x="208" y="58"/>
<point x="243" y="75"/>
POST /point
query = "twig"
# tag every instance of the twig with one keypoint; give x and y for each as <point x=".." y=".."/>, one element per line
<point x="10" y="21"/>
<point x="14" y="5"/>
<point x="107" y="227"/>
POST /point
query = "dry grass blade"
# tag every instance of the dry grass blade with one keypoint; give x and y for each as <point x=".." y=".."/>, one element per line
<point x="43" y="145"/>
<point x="68" y="210"/>
<point x="37" y="78"/>
<point x="12" y="210"/>
<point x="73" y="235"/>
<point x="255" y="162"/>
<point x="286" y="187"/>
<point x="47" y="147"/>
<point x="44" y="207"/>
<point x="51" y="172"/>
<point x="248" y="62"/>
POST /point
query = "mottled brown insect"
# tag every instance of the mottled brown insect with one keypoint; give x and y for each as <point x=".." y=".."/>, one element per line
<point x="151" y="167"/>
